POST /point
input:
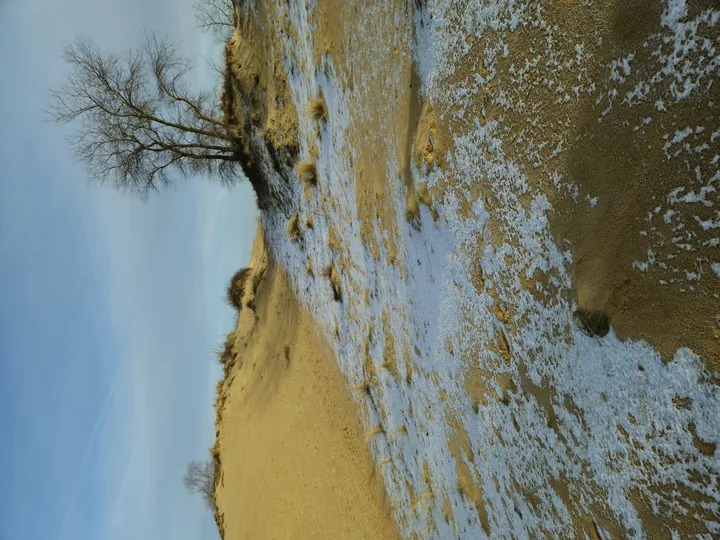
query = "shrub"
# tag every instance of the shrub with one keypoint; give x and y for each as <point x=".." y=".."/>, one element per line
<point x="226" y="356"/>
<point x="293" y="228"/>
<point x="307" y="171"/>
<point x="317" y="109"/>
<point x="332" y="274"/>
<point x="425" y="198"/>
<point x="412" y="208"/>
<point x="200" y="478"/>
<point x="236" y="288"/>
<point x="424" y="195"/>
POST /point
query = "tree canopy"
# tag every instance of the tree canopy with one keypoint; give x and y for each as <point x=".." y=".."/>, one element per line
<point x="215" y="16"/>
<point x="200" y="478"/>
<point x="139" y="120"/>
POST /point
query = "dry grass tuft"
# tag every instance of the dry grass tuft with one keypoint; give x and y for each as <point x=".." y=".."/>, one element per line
<point x="293" y="228"/>
<point x="332" y="274"/>
<point x="424" y="195"/>
<point x="227" y="355"/>
<point x="377" y="430"/>
<point x="369" y="366"/>
<point x="309" y="268"/>
<point x="256" y="279"/>
<point x="317" y="109"/>
<point x="412" y="208"/>
<point x="333" y="240"/>
<point x="307" y="172"/>
<point x="462" y="489"/>
<point x="402" y="430"/>
<point x="236" y="288"/>
<point x="421" y="499"/>
<point x="309" y="222"/>
<point x="365" y="388"/>
<point x="391" y="365"/>
<point x="425" y="198"/>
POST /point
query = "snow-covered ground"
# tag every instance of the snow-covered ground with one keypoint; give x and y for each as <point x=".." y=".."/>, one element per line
<point x="609" y="427"/>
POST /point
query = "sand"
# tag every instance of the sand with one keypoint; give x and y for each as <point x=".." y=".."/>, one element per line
<point x="465" y="220"/>
<point x="295" y="461"/>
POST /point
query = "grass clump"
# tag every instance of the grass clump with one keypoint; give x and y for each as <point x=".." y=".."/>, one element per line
<point x="227" y="354"/>
<point x="307" y="172"/>
<point x="236" y="288"/>
<point x="309" y="222"/>
<point x="412" y="208"/>
<point x="402" y="430"/>
<point x="425" y="198"/>
<point x="424" y="195"/>
<point x="317" y="109"/>
<point x="377" y="430"/>
<point x="365" y="389"/>
<point x="421" y="499"/>
<point x="390" y="365"/>
<point x="332" y="274"/>
<point x="462" y="488"/>
<point x="293" y="228"/>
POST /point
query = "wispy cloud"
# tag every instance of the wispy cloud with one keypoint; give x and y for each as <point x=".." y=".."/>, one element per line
<point x="110" y="306"/>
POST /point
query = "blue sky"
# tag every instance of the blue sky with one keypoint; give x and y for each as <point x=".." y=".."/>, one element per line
<point x="109" y="306"/>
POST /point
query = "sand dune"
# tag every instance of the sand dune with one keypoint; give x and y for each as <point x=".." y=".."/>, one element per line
<point x="295" y="461"/>
<point x="481" y="172"/>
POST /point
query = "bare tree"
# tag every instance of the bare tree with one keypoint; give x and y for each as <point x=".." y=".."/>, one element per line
<point x="216" y="16"/>
<point x="140" y="120"/>
<point x="200" y="478"/>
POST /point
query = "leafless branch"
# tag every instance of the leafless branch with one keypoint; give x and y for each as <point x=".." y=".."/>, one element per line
<point x="139" y="121"/>
<point x="200" y="478"/>
<point x="215" y="16"/>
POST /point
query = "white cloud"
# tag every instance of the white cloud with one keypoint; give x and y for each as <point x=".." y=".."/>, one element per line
<point x="169" y="259"/>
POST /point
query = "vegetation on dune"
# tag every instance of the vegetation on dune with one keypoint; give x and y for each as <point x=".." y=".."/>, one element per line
<point x="412" y="208"/>
<point x="307" y="172"/>
<point x="236" y="288"/>
<point x="425" y="197"/>
<point x="216" y="17"/>
<point x="142" y="128"/>
<point x="317" y="109"/>
<point x="139" y="120"/>
<point x="332" y="274"/>
<point x="200" y="478"/>
<point x="293" y="228"/>
<point x="226" y="356"/>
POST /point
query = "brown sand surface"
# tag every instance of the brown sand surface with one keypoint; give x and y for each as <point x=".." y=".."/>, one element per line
<point x="295" y="462"/>
<point x="294" y="455"/>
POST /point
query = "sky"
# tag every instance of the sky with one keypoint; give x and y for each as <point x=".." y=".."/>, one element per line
<point x="110" y="306"/>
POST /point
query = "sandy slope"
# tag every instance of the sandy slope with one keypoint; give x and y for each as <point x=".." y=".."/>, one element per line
<point x="485" y="168"/>
<point x="294" y="456"/>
